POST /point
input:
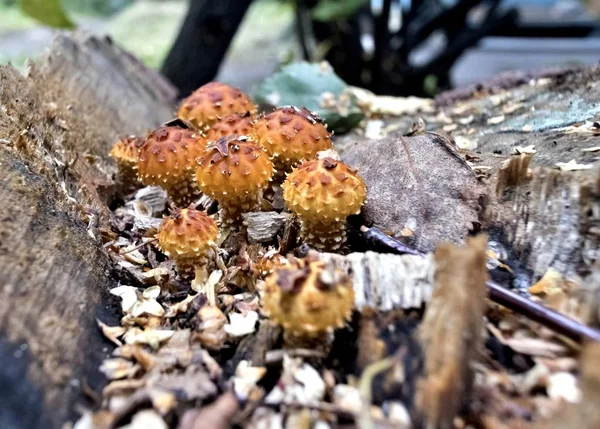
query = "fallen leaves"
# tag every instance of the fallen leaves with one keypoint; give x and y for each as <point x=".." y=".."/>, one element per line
<point x="573" y="165"/>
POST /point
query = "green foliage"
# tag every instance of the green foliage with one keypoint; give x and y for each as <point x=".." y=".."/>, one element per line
<point x="315" y="87"/>
<point x="332" y="10"/>
<point x="49" y="12"/>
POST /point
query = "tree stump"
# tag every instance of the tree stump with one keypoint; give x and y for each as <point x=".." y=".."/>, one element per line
<point x="56" y="128"/>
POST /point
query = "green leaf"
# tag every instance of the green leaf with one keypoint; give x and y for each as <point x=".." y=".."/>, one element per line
<point x="316" y="87"/>
<point x="332" y="10"/>
<point x="48" y="12"/>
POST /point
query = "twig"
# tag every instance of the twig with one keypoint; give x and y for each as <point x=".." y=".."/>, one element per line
<point x="152" y="240"/>
<point x="500" y="295"/>
<point x="276" y="356"/>
<point x="320" y="406"/>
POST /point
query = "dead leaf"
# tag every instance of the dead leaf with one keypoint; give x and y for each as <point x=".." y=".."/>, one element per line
<point x="536" y="347"/>
<point x="241" y="325"/>
<point x="112" y="333"/>
<point x="572" y="165"/>
<point x="526" y="149"/>
<point x="496" y="120"/>
<point x="246" y="377"/>
<point x="146" y="419"/>
<point x="151" y="337"/>
<point x="118" y="368"/>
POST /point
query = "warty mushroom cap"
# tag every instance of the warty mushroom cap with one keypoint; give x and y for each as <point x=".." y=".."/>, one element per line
<point x="187" y="233"/>
<point x="324" y="190"/>
<point x="168" y="154"/>
<point x="290" y="135"/>
<point x="233" y="167"/>
<point x="213" y="101"/>
<point x="308" y="297"/>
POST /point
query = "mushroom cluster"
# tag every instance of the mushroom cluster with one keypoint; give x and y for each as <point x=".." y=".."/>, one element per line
<point x="234" y="170"/>
<point x="291" y="135"/>
<point x="308" y="298"/>
<point x="125" y="152"/>
<point x="323" y="193"/>
<point x="167" y="159"/>
<point x="187" y="237"/>
<point x="212" y="102"/>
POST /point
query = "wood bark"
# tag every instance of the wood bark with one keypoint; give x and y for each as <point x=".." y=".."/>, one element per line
<point x="56" y="128"/>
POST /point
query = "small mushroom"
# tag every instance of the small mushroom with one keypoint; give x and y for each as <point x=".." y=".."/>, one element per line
<point x="187" y="237"/>
<point x="125" y="153"/>
<point x="167" y="159"/>
<point x="234" y="170"/>
<point x="214" y="101"/>
<point x="291" y="135"/>
<point x="308" y="299"/>
<point x="238" y="123"/>
<point x="323" y="193"/>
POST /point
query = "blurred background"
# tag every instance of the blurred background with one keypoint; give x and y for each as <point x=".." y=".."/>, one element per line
<point x="398" y="47"/>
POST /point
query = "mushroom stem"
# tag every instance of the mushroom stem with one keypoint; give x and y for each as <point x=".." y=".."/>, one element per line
<point x="322" y="236"/>
<point x="320" y="341"/>
<point x="184" y="192"/>
<point x="186" y="267"/>
<point x="127" y="176"/>
<point x="231" y="211"/>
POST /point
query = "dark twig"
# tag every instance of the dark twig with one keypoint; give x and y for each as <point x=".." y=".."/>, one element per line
<point x="500" y="295"/>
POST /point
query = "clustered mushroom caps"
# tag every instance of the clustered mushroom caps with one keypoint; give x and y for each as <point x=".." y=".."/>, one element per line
<point x="290" y="135"/>
<point x="125" y="153"/>
<point x="214" y="101"/>
<point x="167" y="159"/>
<point x="236" y="124"/>
<point x="308" y="298"/>
<point x="234" y="170"/>
<point x="187" y="237"/>
<point x="323" y="193"/>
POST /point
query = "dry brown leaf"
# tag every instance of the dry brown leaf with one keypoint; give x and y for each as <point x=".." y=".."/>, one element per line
<point x="536" y="347"/>
<point x="112" y="333"/>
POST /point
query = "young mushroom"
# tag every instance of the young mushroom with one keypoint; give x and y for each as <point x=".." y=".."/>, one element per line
<point x="234" y="170"/>
<point x="308" y="299"/>
<point x="167" y="159"/>
<point x="214" y="101"/>
<point x="323" y="193"/>
<point x="187" y="237"/>
<point x="125" y="153"/>
<point x="238" y="123"/>
<point x="290" y="135"/>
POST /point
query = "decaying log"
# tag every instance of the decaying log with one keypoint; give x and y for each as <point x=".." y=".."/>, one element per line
<point x="56" y="128"/>
<point x="386" y="281"/>
<point x="551" y="219"/>
<point x="452" y="333"/>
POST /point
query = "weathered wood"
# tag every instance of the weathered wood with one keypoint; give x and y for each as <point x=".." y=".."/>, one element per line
<point x="56" y="128"/>
<point x="386" y="281"/>
<point x="451" y="334"/>
<point x="263" y="227"/>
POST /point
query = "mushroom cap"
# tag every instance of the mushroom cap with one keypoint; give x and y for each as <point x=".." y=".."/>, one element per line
<point x="187" y="233"/>
<point x="308" y="297"/>
<point x="125" y="150"/>
<point x="324" y="190"/>
<point x="232" y="168"/>
<point x="213" y="101"/>
<point x="168" y="154"/>
<point x="238" y="123"/>
<point x="290" y="135"/>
